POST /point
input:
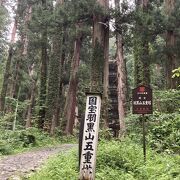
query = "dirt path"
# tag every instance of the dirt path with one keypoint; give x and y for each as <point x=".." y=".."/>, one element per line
<point x="22" y="164"/>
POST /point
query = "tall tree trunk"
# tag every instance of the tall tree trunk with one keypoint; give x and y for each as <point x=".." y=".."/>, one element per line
<point x="59" y="98"/>
<point x="171" y="60"/>
<point x="58" y="111"/>
<point x="106" y="67"/>
<point x="22" y="51"/>
<point x="17" y="75"/>
<point x="7" y="68"/>
<point x="98" y="51"/>
<point x="32" y="98"/>
<point x="53" y="83"/>
<point x="43" y="72"/>
<point x="27" y="20"/>
<point x="70" y="105"/>
<point x="55" y="78"/>
<point x="121" y="76"/>
<point x="30" y="107"/>
<point x="31" y="72"/>
<point x="99" y="67"/>
<point x="170" y="44"/>
<point x="141" y="48"/>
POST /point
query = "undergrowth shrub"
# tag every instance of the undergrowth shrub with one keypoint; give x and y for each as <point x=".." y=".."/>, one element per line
<point x="134" y="127"/>
<point x="115" y="161"/>
<point x="5" y="149"/>
<point x="164" y="132"/>
<point x="62" y="167"/>
<point x="6" y="121"/>
<point x="167" y="101"/>
<point x="124" y="160"/>
<point x="19" y="140"/>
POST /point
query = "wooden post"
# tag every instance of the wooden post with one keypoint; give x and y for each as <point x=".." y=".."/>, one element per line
<point x="90" y="137"/>
<point x="144" y="137"/>
<point x="142" y="103"/>
<point x="81" y="130"/>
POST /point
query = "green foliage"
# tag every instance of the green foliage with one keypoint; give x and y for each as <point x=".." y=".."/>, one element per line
<point x="3" y="22"/>
<point x="148" y="22"/>
<point x="158" y="80"/>
<point x="6" y="121"/>
<point x="105" y="134"/>
<point x="163" y="126"/>
<point x="164" y="133"/>
<point x="115" y="161"/>
<point x="3" y="30"/>
<point x="62" y="167"/>
<point x="83" y="76"/>
<point x="21" y="140"/>
<point x="167" y="101"/>
<point x="134" y="127"/>
<point x="176" y="72"/>
<point x="119" y="155"/>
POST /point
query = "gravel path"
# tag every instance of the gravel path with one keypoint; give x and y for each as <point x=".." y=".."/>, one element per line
<point x="14" y="166"/>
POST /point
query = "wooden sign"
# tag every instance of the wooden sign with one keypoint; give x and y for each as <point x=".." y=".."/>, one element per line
<point x="90" y="137"/>
<point x="142" y="100"/>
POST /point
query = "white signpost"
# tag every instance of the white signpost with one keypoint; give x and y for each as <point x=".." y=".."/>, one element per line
<point x="90" y="137"/>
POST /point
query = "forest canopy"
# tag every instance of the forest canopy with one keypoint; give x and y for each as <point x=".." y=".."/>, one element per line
<point x="53" y="52"/>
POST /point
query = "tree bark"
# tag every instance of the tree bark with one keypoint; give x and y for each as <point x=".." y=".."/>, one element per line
<point x="59" y="98"/>
<point x="53" y="83"/>
<point x="121" y="77"/>
<point x="99" y="67"/>
<point x="170" y="44"/>
<point x="141" y="48"/>
<point x="30" y="108"/>
<point x="43" y="73"/>
<point x="55" y="78"/>
<point x="106" y="68"/>
<point x="27" y="20"/>
<point x="7" y="68"/>
<point x="171" y="60"/>
<point x="22" y="51"/>
<point x="32" y="98"/>
<point x="98" y="51"/>
<point x="70" y="105"/>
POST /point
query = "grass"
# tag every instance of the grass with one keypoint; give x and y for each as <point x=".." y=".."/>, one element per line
<point x="115" y="161"/>
<point x="61" y="167"/>
<point x="26" y="140"/>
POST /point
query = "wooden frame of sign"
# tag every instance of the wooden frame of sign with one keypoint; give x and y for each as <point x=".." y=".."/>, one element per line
<point x="90" y="136"/>
<point x="142" y="100"/>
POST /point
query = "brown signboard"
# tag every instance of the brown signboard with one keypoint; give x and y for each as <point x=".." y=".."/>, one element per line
<point x="142" y="100"/>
